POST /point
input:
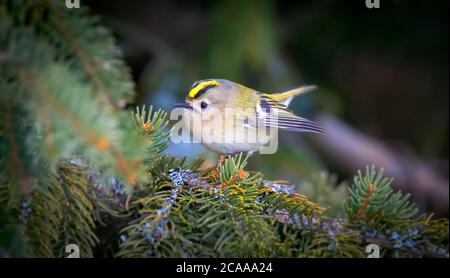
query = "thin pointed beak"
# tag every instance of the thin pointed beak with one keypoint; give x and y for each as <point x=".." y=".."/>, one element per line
<point x="183" y="105"/>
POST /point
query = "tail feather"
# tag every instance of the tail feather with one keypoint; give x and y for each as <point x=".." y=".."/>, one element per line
<point x="286" y="97"/>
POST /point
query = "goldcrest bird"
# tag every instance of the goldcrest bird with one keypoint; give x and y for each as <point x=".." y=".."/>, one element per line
<point x="245" y="109"/>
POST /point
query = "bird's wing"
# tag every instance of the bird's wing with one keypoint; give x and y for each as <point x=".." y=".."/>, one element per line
<point x="272" y="113"/>
<point x="287" y="96"/>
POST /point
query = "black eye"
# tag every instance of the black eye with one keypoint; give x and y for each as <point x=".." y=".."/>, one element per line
<point x="203" y="105"/>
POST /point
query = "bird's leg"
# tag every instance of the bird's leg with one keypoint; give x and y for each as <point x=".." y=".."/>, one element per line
<point x="222" y="159"/>
<point x="215" y="170"/>
<point x="127" y="201"/>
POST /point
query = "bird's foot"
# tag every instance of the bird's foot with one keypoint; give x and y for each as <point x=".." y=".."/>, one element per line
<point x="127" y="202"/>
<point x="222" y="159"/>
<point x="215" y="171"/>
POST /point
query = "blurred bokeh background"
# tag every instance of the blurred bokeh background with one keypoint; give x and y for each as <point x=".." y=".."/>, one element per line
<point x="382" y="77"/>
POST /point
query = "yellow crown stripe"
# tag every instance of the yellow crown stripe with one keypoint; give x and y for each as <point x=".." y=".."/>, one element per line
<point x="201" y="85"/>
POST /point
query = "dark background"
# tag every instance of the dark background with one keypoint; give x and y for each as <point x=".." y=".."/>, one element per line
<point x="382" y="77"/>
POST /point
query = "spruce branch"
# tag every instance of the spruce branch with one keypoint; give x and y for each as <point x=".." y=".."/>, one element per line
<point x="13" y="160"/>
<point x="67" y="119"/>
<point x="79" y="39"/>
<point x="153" y="126"/>
<point x="231" y="209"/>
<point x="61" y="213"/>
<point x="373" y="201"/>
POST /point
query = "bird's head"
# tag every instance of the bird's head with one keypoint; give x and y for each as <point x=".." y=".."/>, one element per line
<point x="208" y="94"/>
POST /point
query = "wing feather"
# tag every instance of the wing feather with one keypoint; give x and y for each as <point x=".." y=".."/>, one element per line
<point x="272" y="113"/>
